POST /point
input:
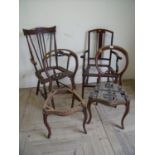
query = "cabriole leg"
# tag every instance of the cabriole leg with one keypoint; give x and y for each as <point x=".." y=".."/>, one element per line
<point x="125" y="113"/>
<point x="89" y="112"/>
<point x="46" y="124"/>
<point x="85" y="119"/>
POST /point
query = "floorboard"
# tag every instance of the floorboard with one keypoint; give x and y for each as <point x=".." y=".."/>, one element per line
<point x="103" y="137"/>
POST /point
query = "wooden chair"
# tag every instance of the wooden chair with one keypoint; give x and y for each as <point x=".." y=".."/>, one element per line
<point x="42" y="46"/>
<point x="49" y="110"/>
<point x="97" y="38"/>
<point x="115" y="69"/>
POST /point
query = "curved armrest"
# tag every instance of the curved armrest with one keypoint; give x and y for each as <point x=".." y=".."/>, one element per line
<point x="60" y="53"/>
<point x="120" y="50"/>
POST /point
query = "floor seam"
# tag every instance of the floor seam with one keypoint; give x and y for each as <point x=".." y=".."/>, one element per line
<point x="105" y="130"/>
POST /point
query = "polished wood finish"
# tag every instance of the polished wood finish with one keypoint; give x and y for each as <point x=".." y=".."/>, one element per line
<point x="47" y="59"/>
<point x="120" y="54"/>
<point x="97" y="38"/>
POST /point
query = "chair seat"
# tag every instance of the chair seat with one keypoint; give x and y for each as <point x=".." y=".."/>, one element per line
<point x="92" y="71"/>
<point x="60" y="73"/>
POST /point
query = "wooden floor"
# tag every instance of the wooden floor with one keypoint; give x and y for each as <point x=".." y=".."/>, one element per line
<point x="103" y="137"/>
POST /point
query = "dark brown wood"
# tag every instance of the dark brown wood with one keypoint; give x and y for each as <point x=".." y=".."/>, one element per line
<point x="45" y="58"/>
<point x="109" y="96"/>
<point x="89" y="110"/>
<point x="49" y="110"/>
<point x="46" y="124"/>
<point x="110" y="73"/>
<point x="38" y="86"/>
<point x="127" y="106"/>
<point x="87" y="58"/>
<point x="85" y="119"/>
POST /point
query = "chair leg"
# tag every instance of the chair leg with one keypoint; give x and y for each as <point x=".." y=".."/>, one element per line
<point x="83" y="80"/>
<point x="46" y="124"/>
<point x="73" y="82"/>
<point x="73" y="99"/>
<point x="85" y="119"/>
<point x="98" y="79"/>
<point x="87" y="79"/>
<point x="125" y="113"/>
<point x="38" y="86"/>
<point x="120" y="80"/>
<point x="52" y="102"/>
<point x="45" y="92"/>
<point x="58" y="85"/>
<point x="89" y="111"/>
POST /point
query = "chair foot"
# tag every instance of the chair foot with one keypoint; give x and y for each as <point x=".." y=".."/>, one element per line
<point x="84" y="120"/>
<point x="46" y="124"/>
<point x="124" y="115"/>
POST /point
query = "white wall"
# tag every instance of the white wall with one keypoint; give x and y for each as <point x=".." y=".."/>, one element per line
<point x="73" y="19"/>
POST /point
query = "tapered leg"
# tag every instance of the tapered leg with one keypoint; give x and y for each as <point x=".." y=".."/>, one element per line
<point x="98" y="81"/>
<point x="89" y="112"/>
<point x="38" y="85"/>
<point x="72" y="101"/>
<point x="125" y="113"/>
<point x="45" y="92"/>
<point x="46" y="124"/>
<point x="120" y="80"/>
<point x="87" y="79"/>
<point x="53" y="104"/>
<point x="83" y="79"/>
<point x="73" y="83"/>
<point x="85" y="119"/>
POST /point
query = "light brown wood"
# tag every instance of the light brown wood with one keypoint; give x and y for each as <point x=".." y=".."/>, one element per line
<point x="102" y="138"/>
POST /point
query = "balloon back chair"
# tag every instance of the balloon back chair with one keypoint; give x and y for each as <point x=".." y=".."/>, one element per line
<point x="97" y="38"/>
<point x="114" y="70"/>
<point x="60" y="63"/>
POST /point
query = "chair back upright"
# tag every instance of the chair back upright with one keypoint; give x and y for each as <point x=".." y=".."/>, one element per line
<point x="41" y="40"/>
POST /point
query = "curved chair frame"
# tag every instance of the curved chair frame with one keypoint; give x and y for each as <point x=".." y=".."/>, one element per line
<point x="110" y="72"/>
<point x="42" y="45"/>
<point x="49" y="110"/>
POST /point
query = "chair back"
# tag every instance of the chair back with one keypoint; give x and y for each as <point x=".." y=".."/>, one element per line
<point x="41" y="40"/>
<point x="98" y="38"/>
<point x="118" y="64"/>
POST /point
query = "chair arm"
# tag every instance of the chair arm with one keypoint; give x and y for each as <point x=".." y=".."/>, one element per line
<point x="83" y="56"/>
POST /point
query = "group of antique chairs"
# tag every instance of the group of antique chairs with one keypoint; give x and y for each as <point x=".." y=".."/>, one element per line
<point x="101" y="60"/>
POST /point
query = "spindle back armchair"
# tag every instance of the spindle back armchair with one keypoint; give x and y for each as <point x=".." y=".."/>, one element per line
<point x="42" y="40"/>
